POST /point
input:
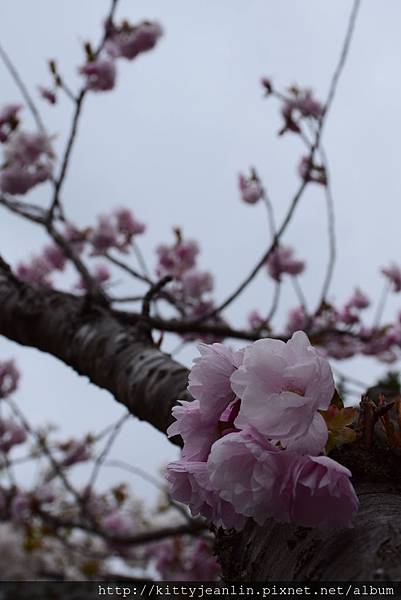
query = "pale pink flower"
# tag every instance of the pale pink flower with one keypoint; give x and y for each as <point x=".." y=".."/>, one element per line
<point x="393" y="274"/>
<point x="128" y="41"/>
<point x="55" y="256"/>
<point x="75" y="236"/>
<point x="250" y="188"/>
<point x="100" y="275"/>
<point x="209" y="379"/>
<point x="103" y="236"/>
<point x="341" y="347"/>
<point x="198" y="434"/>
<point x="176" y="259"/>
<point x="323" y="495"/>
<point x="37" y="272"/>
<point x="28" y="148"/>
<point x="297" y="320"/>
<point x="9" y="378"/>
<point x="358" y="300"/>
<point x="100" y="74"/>
<point x="190" y="484"/>
<point x="281" y="387"/>
<point x="250" y="473"/>
<point x="127" y="223"/>
<point x="300" y="106"/>
<point x="186" y="561"/>
<point x="28" y="162"/>
<point x="118" y="524"/>
<point x="15" y="179"/>
<point x="195" y="283"/>
<point x="348" y="315"/>
<point x="281" y="261"/>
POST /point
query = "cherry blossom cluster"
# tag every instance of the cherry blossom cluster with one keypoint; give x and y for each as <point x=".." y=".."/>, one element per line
<point x="123" y="41"/>
<point x="281" y="261"/>
<point x="182" y="559"/>
<point x="298" y="106"/>
<point x="254" y="438"/>
<point x="190" y="285"/>
<point x="27" y="157"/>
<point x="115" y="231"/>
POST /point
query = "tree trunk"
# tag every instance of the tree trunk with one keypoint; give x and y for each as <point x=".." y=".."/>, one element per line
<point x="121" y="358"/>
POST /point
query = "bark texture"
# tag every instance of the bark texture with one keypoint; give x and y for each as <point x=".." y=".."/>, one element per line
<point x="120" y="357"/>
<point x="88" y="337"/>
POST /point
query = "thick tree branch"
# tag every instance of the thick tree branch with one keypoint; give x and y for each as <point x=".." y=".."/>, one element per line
<point x="114" y="355"/>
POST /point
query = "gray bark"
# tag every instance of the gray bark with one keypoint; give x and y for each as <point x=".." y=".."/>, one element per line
<point x="120" y="357"/>
<point x="88" y="337"/>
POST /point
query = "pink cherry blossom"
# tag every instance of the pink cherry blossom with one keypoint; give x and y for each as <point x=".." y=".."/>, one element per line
<point x="301" y="105"/>
<point x="249" y="473"/>
<point x="281" y="261"/>
<point x="9" y="378"/>
<point x="176" y="259"/>
<point x="100" y="274"/>
<point x="55" y="257"/>
<point x="185" y="561"/>
<point x="297" y="320"/>
<point x="349" y="316"/>
<point x="281" y="387"/>
<point x="100" y="74"/>
<point x="75" y="237"/>
<point x="195" y="283"/>
<point x="190" y="484"/>
<point x="393" y="274"/>
<point x="358" y="300"/>
<point x="209" y="379"/>
<point x="127" y="223"/>
<point x="128" y="41"/>
<point x="104" y="235"/>
<point x="28" y="162"/>
<point x="198" y="434"/>
<point x="36" y="272"/>
<point x="250" y="188"/>
<point x="118" y="524"/>
<point x="322" y="493"/>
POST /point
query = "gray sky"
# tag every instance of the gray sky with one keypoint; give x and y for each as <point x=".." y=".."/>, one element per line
<point x="170" y="140"/>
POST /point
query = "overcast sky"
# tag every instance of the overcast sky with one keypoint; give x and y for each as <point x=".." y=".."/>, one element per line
<point x="170" y="140"/>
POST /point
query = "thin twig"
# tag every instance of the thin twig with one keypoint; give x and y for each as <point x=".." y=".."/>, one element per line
<point x="23" y="89"/>
<point x="79" y="100"/>
<point x="330" y="97"/>
<point x="103" y="455"/>
<point x="330" y="230"/>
